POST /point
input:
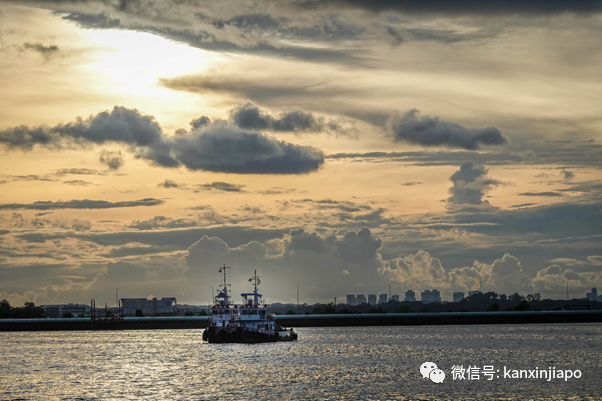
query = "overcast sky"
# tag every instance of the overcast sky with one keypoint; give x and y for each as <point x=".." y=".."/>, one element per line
<point x="341" y="146"/>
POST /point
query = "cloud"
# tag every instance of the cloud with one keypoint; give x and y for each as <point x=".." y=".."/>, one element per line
<point x="170" y="184"/>
<point x="470" y="184"/>
<point x="221" y="186"/>
<point x="548" y="193"/>
<point x="80" y="204"/>
<point x="432" y="131"/>
<point x="162" y="222"/>
<point x="303" y="257"/>
<point x="568" y="175"/>
<point x="411" y="183"/>
<point x="250" y="116"/>
<point x="228" y="149"/>
<point x="113" y="159"/>
<point x="218" y="147"/>
<point x="200" y="122"/>
<point x="41" y="48"/>
<point x="81" y="183"/>
<point x="468" y="7"/>
<point x="78" y="171"/>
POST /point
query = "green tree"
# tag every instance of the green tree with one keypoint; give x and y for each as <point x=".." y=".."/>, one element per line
<point x="523" y="306"/>
<point x="494" y="307"/>
<point x="139" y="313"/>
<point x="188" y="313"/>
<point x="68" y="315"/>
<point x="202" y="313"/>
<point x="404" y="309"/>
<point x="4" y="308"/>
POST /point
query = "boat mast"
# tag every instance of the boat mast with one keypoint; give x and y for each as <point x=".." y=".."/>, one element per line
<point x="255" y="285"/>
<point x="225" y="285"/>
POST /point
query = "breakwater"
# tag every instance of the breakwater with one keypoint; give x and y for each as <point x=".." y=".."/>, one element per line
<point x="368" y="319"/>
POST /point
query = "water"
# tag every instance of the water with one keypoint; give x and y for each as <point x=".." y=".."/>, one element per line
<point x="378" y="363"/>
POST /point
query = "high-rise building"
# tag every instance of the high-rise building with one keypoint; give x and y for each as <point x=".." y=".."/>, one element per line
<point x="458" y="296"/>
<point x="361" y="299"/>
<point x="395" y="298"/>
<point x="372" y="299"/>
<point x="383" y="299"/>
<point x="410" y="296"/>
<point x="150" y="307"/>
<point x="430" y="296"/>
<point x="593" y="296"/>
<point x="351" y="300"/>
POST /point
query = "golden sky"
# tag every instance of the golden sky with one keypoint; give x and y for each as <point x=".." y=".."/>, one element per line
<point x="339" y="146"/>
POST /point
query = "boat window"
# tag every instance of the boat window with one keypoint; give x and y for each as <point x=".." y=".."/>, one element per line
<point x="227" y="311"/>
<point x="215" y="312"/>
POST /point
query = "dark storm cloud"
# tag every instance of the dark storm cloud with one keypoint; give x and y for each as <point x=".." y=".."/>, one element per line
<point x="221" y="186"/>
<point x="432" y="131"/>
<point x="249" y="116"/>
<point x="547" y="193"/>
<point x="80" y="204"/>
<point x="223" y="148"/>
<point x="200" y="122"/>
<point x="113" y="159"/>
<point x="470" y="7"/>
<point x="470" y="184"/>
<point x="218" y="147"/>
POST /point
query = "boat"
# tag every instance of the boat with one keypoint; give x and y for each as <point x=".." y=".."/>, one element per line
<point x="247" y="323"/>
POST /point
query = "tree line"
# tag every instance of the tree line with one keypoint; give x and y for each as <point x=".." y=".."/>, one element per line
<point x="29" y="310"/>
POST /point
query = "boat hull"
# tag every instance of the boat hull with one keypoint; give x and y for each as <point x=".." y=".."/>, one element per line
<point x="221" y="335"/>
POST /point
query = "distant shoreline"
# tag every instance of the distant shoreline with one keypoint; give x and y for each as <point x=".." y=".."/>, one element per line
<point x="368" y="319"/>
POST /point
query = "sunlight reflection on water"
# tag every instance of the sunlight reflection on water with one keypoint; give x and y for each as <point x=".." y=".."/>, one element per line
<point x="327" y="363"/>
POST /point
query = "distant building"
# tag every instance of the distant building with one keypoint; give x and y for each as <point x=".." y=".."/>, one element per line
<point x="458" y="296"/>
<point x="410" y="296"/>
<point x="77" y="310"/>
<point x="593" y="296"/>
<point x="599" y="298"/>
<point x="430" y="296"/>
<point x="351" y="300"/>
<point x="361" y="299"/>
<point x="383" y="299"/>
<point x="372" y="299"/>
<point x="150" y="307"/>
<point x="395" y="298"/>
<point x="471" y="293"/>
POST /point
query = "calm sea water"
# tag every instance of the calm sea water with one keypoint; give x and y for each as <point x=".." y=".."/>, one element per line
<point x="378" y="363"/>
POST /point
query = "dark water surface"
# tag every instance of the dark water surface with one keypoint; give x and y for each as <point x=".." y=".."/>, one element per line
<point x="369" y="363"/>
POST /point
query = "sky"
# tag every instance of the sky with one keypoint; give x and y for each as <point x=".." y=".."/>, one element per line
<point x="339" y="146"/>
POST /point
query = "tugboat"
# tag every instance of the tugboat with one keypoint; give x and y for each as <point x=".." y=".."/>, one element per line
<point x="247" y="323"/>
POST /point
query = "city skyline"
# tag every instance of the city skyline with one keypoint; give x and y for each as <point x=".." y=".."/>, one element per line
<point x="334" y="147"/>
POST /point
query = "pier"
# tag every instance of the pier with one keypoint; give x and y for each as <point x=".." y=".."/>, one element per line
<point x="339" y="320"/>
